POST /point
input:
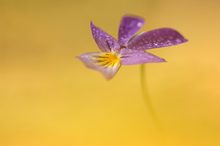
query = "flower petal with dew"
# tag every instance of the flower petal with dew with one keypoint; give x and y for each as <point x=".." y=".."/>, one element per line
<point x="128" y="27"/>
<point x="104" y="41"/>
<point x="157" y="38"/>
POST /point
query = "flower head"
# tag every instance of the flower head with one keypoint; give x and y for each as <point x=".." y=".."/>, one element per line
<point x="129" y="49"/>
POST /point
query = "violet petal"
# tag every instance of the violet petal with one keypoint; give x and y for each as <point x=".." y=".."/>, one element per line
<point x="128" y="27"/>
<point x="133" y="57"/>
<point x="104" y="41"/>
<point x="158" y="38"/>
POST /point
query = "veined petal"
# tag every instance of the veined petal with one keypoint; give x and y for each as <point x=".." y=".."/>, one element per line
<point x="104" y="41"/>
<point x="128" y="27"/>
<point x="158" y="38"/>
<point x="132" y="57"/>
<point x="106" y="63"/>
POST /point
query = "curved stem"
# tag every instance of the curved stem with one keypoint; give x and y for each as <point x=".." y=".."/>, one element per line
<point x="146" y="97"/>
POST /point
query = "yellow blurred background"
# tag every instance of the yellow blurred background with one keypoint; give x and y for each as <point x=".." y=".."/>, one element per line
<point x="48" y="98"/>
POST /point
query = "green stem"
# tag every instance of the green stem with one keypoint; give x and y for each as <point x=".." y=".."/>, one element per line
<point x="147" y="99"/>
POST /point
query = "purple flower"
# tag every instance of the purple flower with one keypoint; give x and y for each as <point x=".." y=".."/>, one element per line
<point x="130" y="48"/>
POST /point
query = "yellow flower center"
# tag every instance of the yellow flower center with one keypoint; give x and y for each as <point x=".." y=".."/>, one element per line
<point x="109" y="59"/>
